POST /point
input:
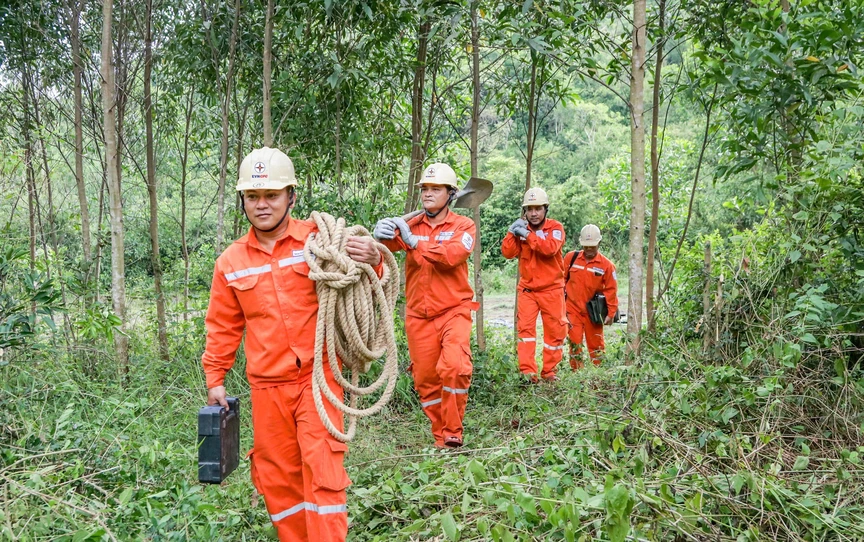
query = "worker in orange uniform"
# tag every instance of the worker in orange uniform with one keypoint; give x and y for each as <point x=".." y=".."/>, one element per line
<point x="438" y="301"/>
<point x="261" y="285"/>
<point x="588" y="273"/>
<point x="537" y="241"/>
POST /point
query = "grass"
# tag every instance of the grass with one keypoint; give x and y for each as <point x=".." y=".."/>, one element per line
<point x="672" y="448"/>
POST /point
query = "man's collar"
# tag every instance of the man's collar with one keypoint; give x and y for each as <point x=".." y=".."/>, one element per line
<point x="449" y="217"/>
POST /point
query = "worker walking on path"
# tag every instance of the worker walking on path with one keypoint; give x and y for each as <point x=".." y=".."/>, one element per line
<point x="588" y="273"/>
<point x="261" y="285"/>
<point x="438" y="295"/>
<point x="537" y="241"/>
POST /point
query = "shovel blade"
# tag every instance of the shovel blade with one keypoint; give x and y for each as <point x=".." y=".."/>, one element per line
<point x="475" y="192"/>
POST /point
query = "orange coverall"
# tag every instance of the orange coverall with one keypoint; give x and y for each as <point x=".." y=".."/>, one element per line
<point x="296" y="464"/>
<point x="586" y="279"/>
<point x="438" y="324"/>
<point x="540" y="290"/>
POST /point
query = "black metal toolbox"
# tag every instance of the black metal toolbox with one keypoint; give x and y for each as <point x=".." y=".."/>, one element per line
<point x="218" y="441"/>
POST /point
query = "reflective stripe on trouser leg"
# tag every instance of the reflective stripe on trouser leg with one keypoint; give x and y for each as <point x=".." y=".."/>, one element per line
<point x="424" y="349"/>
<point x="454" y="367"/>
<point x="526" y="331"/>
<point x="311" y="506"/>
<point x="554" y="329"/>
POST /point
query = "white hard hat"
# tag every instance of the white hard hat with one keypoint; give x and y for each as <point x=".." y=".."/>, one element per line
<point x="266" y="169"/>
<point x="439" y="174"/>
<point x="535" y="196"/>
<point x="590" y="236"/>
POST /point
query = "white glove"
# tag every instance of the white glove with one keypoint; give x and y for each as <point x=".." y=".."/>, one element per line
<point x="409" y="238"/>
<point x="384" y="229"/>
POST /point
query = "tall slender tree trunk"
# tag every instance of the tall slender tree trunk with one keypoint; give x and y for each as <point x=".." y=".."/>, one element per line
<point x="530" y="139"/>
<point x="223" y="156"/>
<point x="532" y="119"/>
<point x="112" y="168"/>
<point x="74" y="8"/>
<point x="655" y="172"/>
<point x="268" y="58"/>
<point x="637" y="176"/>
<point x="475" y="171"/>
<point x="30" y="177"/>
<point x="103" y="186"/>
<point x="152" y="188"/>
<point x="239" y="159"/>
<point x="184" y="160"/>
<point x="417" y="154"/>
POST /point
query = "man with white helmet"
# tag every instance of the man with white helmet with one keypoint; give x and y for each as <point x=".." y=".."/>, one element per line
<point x="537" y="241"/>
<point x="438" y="295"/>
<point x="588" y="273"/>
<point x="261" y="285"/>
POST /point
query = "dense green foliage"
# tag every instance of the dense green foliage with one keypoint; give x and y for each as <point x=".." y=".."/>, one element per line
<point x="742" y="418"/>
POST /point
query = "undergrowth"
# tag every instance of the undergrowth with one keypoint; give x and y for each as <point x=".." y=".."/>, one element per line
<point x="755" y="434"/>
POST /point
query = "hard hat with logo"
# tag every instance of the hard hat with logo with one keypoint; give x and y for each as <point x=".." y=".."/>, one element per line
<point x="266" y="169"/>
<point x="439" y="174"/>
<point x="535" y="196"/>
<point x="590" y="236"/>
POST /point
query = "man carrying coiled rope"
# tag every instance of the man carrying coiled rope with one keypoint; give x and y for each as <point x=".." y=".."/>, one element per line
<point x="439" y="302"/>
<point x="261" y="285"/>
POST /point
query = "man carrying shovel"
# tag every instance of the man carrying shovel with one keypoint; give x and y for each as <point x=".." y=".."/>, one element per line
<point x="438" y="243"/>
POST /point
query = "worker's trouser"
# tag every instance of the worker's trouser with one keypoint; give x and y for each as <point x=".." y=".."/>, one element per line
<point x="440" y="350"/>
<point x="550" y="305"/>
<point x="582" y="327"/>
<point x="297" y="465"/>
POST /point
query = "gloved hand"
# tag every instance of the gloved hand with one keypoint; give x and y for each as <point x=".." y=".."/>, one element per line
<point x="521" y="223"/>
<point x="519" y="228"/>
<point x="384" y="229"/>
<point x="409" y="238"/>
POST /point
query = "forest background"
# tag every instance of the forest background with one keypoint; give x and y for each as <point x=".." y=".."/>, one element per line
<point x="734" y="412"/>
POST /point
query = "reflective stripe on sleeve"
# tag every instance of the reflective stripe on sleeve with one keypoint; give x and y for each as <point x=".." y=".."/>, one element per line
<point x="550" y="347"/>
<point x="430" y="403"/>
<point x="527" y="339"/>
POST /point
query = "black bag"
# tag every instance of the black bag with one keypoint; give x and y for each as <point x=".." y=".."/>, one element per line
<point x="598" y="310"/>
<point x="218" y="441"/>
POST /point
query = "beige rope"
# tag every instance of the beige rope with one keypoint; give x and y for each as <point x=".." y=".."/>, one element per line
<point x="355" y="320"/>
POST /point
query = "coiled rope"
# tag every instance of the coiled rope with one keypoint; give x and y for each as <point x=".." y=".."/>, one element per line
<point x="355" y="320"/>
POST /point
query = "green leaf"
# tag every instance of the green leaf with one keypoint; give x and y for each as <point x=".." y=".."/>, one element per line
<point x="450" y="527"/>
<point x="794" y="256"/>
<point x="809" y="338"/>
<point x="801" y="462"/>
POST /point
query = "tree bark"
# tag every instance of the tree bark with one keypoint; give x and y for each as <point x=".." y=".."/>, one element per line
<point x="268" y="56"/>
<point x="152" y="188"/>
<point x="637" y="176"/>
<point x="74" y="8"/>
<point x="184" y="160"/>
<point x="239" y="156"/>
<point x="112" y="166"/>
<point x="475" y="172"/>
<point x="417" y="154"/>
<point x="530" y="139"/>
<point x="532" y="120"/>
<point x="655" y="171"/>
<point x="223" y="156"/>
